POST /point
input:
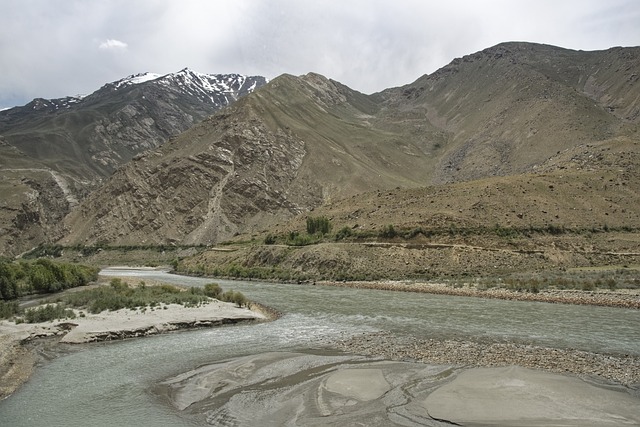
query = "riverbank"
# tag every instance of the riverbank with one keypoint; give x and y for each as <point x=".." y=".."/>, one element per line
<point x="17" y="361"/>
<point x="621" y="369"/>
<point x="622" y="298"/>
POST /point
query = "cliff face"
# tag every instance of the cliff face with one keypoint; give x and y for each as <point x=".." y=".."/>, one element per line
<point x="229" y="174"/>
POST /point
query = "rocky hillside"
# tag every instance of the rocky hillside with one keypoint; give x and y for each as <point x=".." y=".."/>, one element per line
<point x="506" y="109"/>
<point x="301" y="142"/>
<point x="579" y="210"/>
<point x="61" y="149"/>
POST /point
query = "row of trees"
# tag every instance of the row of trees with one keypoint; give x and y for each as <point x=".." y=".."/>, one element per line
<point x="319" y="224"/>
<point x="41" y="276"/>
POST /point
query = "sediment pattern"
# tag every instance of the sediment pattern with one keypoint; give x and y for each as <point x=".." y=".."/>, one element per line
<point x="622" y="369"/>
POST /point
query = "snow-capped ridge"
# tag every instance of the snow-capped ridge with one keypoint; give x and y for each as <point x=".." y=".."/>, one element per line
<point x="134" y="79"/>
<point x="217" y="90"/>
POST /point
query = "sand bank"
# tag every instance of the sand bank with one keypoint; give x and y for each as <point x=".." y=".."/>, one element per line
<point x="337" y="390"/>
<point x="16" y="362"/>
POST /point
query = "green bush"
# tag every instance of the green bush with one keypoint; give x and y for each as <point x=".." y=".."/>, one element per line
<point x="344" y="233"/>
<point x="42" y="276"/>
<point x="212" y="290"/>
<point x="235" y="297"/>
<point x="239" y="299"/>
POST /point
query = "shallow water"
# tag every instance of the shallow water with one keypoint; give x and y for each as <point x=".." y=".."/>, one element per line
<point x="109" y="384"/>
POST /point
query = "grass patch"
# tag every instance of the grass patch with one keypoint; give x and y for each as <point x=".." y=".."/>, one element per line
<point x="48" y="313"/>
<point x="119" y="295"/>
<point x="9" y="309"/>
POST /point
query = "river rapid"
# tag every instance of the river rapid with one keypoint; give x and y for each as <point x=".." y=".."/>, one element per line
<point x="115" y="383"/>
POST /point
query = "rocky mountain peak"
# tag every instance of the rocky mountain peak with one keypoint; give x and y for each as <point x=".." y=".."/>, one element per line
<point x="83" y="140"/>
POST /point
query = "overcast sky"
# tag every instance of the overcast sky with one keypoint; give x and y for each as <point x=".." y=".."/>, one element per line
<point x="53" y="48"/>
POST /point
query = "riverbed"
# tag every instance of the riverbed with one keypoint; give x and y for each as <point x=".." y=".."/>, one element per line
<point x="116" y="383"/>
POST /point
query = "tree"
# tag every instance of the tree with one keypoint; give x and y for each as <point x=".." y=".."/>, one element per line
<point x="319" y="224"/>
<point x="8" y="281"/>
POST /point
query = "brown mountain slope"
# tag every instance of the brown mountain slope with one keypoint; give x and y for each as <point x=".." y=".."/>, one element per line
<point x="300" y="142"/>
<point x="508" y="108"/>
<point x="579" y="211"/>
<point x="292" y="146"/>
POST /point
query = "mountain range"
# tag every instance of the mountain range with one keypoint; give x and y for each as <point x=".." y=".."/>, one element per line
<point x="54" y="152"/>
<point x="296" y="145"/>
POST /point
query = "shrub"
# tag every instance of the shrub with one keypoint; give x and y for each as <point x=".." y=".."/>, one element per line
<point x="388" y="232"/>
<point x="47" y="313"/>
<point x="300" y="240"/>
<point x="414" y="232"/>
<point x="169" y="289"/>
<point x="118" y="285"/>
<point x="9" y="309"/>
<point x="227" y="296"/>
<point x="505" y="232"/>
<point x="212" y="290"/>
<point x="588" y="286"/>
<point x="196" y="291"/>
<point x="344" y="233"/>
<point x="239" y="299"/>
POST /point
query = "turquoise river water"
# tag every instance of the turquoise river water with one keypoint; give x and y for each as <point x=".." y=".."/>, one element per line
<point x="111" y="384"/>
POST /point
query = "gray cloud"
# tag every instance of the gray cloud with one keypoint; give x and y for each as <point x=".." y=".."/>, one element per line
<point x="52" y="48"/>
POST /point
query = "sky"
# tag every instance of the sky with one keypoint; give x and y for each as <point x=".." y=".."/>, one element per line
<point x="55" y="48"/>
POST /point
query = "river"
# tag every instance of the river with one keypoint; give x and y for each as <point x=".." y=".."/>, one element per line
<point x="111" y="383"/>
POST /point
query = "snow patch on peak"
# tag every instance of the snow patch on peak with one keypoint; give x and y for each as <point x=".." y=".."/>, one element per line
<point x="144" y="77"/>
<point x="135" y="79"/>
